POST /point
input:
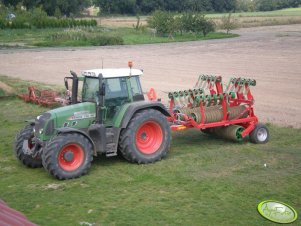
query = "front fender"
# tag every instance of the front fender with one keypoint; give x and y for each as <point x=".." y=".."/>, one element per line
<point x="73" y="130"/>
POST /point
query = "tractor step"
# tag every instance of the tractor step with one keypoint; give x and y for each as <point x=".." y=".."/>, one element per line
<point x="111" y="149"/>
<point x="111" y="145"/>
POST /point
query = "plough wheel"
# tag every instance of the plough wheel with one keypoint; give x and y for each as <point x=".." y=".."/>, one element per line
<point x="260" y="135"/>
<point x="146" y="138"/>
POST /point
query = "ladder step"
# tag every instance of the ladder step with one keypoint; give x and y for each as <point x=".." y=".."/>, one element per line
<point x="111" y="149"/>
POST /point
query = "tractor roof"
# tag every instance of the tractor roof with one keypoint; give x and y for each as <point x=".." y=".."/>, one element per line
<point x="112" y="73"/>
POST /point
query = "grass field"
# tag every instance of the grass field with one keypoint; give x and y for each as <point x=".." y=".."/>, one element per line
<point x="14" y="38"/>
<point x="242" y="19"/>
<point x="122" y="27"/>
<point x="203" y="181"/>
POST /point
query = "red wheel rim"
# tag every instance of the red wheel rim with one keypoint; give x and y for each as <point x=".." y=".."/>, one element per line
<point x="71" y="157"/>
<point x="149" y="137"/>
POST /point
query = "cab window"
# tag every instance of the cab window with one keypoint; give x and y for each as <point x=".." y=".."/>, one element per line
<point x="136" y="88"/>
<point x="90" y="87"/>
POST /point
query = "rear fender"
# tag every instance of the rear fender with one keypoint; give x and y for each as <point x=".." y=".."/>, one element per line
<point x="142" y="105"/>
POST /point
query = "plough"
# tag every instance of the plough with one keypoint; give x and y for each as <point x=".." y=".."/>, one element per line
<point x="209" y="107"/>
<point x="46" y="98"/>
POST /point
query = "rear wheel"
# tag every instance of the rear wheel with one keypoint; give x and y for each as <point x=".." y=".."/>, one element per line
<point x="260" y="135"/>
<point x="24" y="140"/>
<point x="68" y="156"/>
<point x="146" y="138"/>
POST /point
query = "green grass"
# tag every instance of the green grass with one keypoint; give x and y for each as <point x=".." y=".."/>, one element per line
<point x="42" y="37"/>
<point x="203" y="181"/>
<point x="21" y="86"/>
<point x="131" y="37"/>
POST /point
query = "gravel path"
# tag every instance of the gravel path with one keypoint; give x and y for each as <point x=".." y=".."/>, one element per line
<point x="271" y="55"/>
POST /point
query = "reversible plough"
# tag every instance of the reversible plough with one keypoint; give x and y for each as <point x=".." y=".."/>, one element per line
<point x="225" y="112"/>
<point x="46" y="98"/>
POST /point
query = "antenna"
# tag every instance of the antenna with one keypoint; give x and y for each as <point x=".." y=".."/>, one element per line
<point x="101" y="63"/>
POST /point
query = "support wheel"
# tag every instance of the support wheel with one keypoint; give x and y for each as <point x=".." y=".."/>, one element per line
<point x="146" y="138"/>
<point x="68" y="156"/>
<point x="23" y="140"/>
<point x="260" y="135"/>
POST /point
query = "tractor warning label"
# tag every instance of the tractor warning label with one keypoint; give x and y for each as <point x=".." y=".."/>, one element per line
<point x="82" y="115"/>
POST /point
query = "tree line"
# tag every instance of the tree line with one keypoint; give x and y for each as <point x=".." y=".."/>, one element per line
<point x="132" y="7"/>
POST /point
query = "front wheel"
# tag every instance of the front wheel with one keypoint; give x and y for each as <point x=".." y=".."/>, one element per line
<point x="68" y="156"/>
<point x="24" y="140"/>
<point x="260" y="135"/>
<point x="146" y="138"/>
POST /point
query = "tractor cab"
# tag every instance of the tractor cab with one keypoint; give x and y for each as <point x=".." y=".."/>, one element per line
<point x="121" y="86"/>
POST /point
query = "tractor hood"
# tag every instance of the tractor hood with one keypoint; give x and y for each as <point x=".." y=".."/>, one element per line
<point x="77" y="116"/>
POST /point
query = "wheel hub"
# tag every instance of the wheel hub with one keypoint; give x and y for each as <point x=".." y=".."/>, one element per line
<point x="143" y="136"/>
<point x="262" y="134"/>
<point x="149" y="137"/>
<point x="68" y="156"/>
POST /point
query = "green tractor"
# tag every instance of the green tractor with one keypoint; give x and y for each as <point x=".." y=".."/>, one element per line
<point x="111" y="117"/>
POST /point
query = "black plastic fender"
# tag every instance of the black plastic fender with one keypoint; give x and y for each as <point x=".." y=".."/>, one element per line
<point x="142" y="105"/>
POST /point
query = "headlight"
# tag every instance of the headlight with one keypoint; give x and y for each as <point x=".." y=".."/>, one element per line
<point x="41" y="131"/>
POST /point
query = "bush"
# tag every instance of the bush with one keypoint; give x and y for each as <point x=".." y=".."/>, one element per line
<point x="102" y="40"/>
<point x="228" y="23"/>
<point x="167" y="23"/>
<point x="38" y="18"/>
<point x="83" y="37"/>
<point x="162" y="22"/>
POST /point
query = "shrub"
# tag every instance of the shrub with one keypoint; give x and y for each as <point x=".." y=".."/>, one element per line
<point x="166" y="23"/>
<point x="162" y="22"/>
<point x="227" y="23"/>
<point x="38" y="18"/>
<point x="102" y="40"/>
<point x="76" y="36"/>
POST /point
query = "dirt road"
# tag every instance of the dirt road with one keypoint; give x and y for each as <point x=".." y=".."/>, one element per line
<point x="271" y="55"/>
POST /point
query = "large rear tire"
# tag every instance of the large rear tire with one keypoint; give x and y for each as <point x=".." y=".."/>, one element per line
<point x="146" y="138"/>
<point x="68" y="156"/>
<point x="25" y="139"/>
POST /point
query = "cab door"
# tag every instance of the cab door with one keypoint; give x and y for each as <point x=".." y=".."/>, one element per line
<point x="116" y="96"/>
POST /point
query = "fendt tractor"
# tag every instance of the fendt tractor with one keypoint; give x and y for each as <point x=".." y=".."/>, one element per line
<point x="112" y="116"/>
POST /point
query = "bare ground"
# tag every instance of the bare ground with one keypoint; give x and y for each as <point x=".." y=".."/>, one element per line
<point x="271" y="55"/>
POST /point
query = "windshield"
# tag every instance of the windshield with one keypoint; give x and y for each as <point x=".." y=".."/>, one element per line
<point x="115" y="88"/>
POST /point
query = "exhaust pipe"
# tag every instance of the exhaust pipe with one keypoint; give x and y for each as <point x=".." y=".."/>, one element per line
<point x="74" y="87"/>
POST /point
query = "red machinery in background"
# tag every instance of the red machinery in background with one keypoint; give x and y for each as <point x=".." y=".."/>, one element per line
<point x="225" y="112"/>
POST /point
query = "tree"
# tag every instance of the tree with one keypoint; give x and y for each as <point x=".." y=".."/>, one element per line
<point x="66" y="7"/>
<point x="223" y="5"/>
<point x="163" y="23"/>
<point x="228" y="23"/>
